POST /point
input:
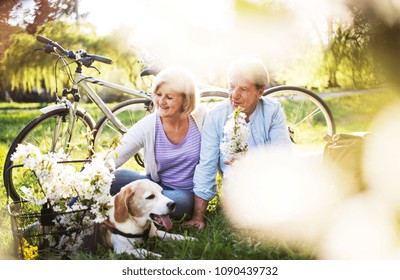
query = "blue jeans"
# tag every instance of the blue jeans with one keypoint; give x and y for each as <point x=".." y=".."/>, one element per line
<point x="183" y="199"/>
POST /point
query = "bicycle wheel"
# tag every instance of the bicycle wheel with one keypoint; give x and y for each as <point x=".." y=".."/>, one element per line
<point x="41" y="132"/>
<point x="308" y="117"/>
<point x="128" y="112"/>
<point x="212" y="96"/>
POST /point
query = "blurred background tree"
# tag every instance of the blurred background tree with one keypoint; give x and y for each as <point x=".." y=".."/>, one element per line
<point x="342" y="59"/>
<point x="347" y="58"/>
<point x="16" y="17"/>
<point x="26" y="72"/>
<point x="348" y="54"/>
<point x="385" y="39"/>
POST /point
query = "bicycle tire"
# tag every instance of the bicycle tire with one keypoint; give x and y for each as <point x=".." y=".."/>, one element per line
<point x="308" y="117"/>
<point x="214" y="93"/>
<point x="128" y="112"/>
<point x="212" y="96"/>
<point x="36" y="132"/>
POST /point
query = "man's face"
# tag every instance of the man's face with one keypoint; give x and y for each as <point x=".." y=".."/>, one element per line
<point x="244" y="93"/>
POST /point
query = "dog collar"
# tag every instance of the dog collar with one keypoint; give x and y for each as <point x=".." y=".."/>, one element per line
<point x="144" y="235"/>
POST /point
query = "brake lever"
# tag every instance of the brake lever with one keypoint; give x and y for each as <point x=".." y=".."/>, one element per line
<point x="49" y="49"/>
<point x="94" y="67"/>
<point x="87" y="61"/>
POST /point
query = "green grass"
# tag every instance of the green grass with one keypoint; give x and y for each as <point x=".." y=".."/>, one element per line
<point x="356" y="112"/>
<point x="220" y="240"/>
<point x="16" y="105"/>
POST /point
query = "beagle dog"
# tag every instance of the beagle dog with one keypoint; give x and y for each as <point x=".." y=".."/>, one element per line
<point x="131" y="220"/>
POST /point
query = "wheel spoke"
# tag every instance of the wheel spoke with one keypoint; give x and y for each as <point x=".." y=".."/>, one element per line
<point x="313" y="113"/>
<point x="307" y="115"/>
<point x="40" y="132"/>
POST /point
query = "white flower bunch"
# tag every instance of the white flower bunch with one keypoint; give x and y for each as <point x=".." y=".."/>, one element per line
<point x="60" y="183"/>
<point x="236" y="134"/>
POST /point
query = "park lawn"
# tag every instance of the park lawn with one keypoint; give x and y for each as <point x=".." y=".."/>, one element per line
<point x="357" y="112"/>
<point x="220" y="240"/>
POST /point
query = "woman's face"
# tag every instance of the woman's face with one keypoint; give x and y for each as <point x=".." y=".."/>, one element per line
<point x="169" y="101"/>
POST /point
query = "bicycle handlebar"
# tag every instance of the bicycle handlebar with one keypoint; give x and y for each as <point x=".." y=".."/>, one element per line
<point x="150" y="71"/>
<point x="71" y="54"/>
<point x="100" y="58"/>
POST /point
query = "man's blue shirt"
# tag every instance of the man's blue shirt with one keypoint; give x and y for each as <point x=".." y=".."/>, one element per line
<point x="267" y="127"/>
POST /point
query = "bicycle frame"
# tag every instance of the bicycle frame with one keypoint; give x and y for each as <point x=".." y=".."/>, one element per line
<point x="82" y="81"/>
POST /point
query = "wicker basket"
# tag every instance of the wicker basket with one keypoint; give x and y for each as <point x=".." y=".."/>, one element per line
<point x="36" y="236"/>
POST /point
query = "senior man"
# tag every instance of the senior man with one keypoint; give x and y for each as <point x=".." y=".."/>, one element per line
<point x="247" y="78"/>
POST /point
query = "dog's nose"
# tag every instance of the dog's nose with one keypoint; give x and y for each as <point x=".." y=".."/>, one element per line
<point x="171" y="206"/>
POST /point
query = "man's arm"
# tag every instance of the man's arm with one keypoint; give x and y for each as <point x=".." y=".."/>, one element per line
<point x="279" y="130"/>
<point x="206" y="171"/>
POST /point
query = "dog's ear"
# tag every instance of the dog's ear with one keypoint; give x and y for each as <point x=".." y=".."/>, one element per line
<point x="121" y="204"/>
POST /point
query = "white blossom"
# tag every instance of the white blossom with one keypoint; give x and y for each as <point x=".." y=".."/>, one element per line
<point x="59" y="183"/>
<point x="236" y="134"/>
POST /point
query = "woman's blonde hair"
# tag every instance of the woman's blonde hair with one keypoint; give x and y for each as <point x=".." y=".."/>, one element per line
<point x="181" y="81"/>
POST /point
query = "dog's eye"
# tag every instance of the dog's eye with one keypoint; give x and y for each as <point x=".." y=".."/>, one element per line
<point x="152" y="196"/>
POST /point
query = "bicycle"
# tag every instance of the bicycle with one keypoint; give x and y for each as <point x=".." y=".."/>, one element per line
<point x="308" y="117"/>
<point x="67" y="126"/>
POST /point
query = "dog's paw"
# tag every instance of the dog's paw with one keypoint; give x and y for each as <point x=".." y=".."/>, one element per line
<point x="170" y="236"/>
<point x="143" y="253"/>
<point x="189" y="238"/>
<point x="184" y="238"/>
<point x="154" y="255"/>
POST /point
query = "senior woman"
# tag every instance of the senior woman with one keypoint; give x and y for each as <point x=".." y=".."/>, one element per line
<point x="170" y="139"/>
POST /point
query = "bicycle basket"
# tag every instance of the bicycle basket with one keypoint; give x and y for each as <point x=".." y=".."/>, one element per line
<point x="38" y="232"/>
<point x="36" y="236"/>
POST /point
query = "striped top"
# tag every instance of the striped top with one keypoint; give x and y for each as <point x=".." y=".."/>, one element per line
<point x="176" y="162"/>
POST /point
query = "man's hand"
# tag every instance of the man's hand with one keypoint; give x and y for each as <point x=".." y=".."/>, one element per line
<point x="199" y="211"/>
<point x="230" y="162"/>
<point x="199" y="223"/>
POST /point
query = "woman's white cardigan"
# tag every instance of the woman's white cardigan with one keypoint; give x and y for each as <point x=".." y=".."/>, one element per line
<point x="142" y="135"/>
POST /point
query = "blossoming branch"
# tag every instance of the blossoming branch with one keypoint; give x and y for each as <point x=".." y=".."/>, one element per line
<point x="236" y="134"/>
